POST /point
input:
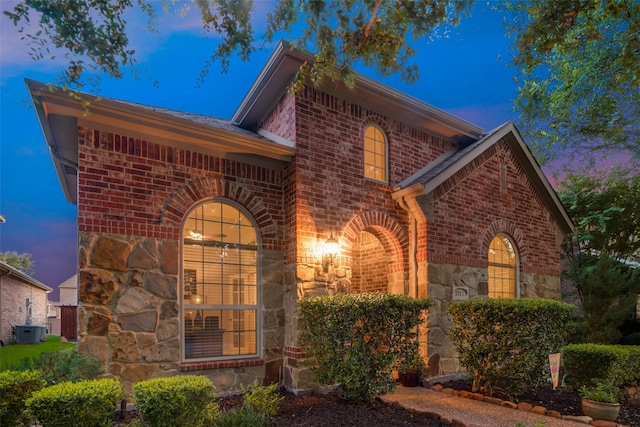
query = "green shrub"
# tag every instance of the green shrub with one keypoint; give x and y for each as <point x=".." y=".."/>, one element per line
<point x="80" y="404"/>
<point x="600" y="393"/>
<point x="356" y="340"/>
<point x="588" y="364"/>
<point x="187" y="400"/>
<point x="631" y="339"/>
<point x="15" y="388"/>
<point x="245" y="416"/>
<point x="64" y="366"/>
<point x="506" y="342"/>
<point x="263" y="399"/>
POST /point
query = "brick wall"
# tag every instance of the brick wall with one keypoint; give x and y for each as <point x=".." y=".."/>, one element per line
<point x="370" y="272"/>
<point x="14" y="295"/>
<point x="472" y="206"/>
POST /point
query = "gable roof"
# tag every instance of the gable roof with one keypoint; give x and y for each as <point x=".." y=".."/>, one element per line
<point x="7" y="270"/>
<point x="427" y="179"/>
<point x="277" y="74"/>
<point x="60" y="115"/>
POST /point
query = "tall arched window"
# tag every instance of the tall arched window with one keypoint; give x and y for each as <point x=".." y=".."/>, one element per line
<point x="220" y="297"/>
<point x="503" y="268"/>
<point x="375" y="153"/>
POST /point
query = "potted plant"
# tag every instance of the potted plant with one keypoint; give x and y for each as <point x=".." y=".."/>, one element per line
<point x="410" y="370"/>
<point x="600" y="402"/>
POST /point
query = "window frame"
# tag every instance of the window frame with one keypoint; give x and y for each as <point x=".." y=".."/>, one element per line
<point x="221" y="307"/>
<point x="516" y="265"/>
<point x="385" y="155"/>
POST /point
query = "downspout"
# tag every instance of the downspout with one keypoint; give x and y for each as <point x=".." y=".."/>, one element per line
<point x="413" y="247"/>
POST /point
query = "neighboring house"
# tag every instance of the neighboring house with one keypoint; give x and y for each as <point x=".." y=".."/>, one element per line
<point x="198" y="236"/>
<point x="65" y="317"/>
<point x="23" y="301"/>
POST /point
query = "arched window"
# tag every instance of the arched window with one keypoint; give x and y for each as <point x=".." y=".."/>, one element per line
<point x="503" y="268"/>
<point x="375" y="153"/>
<point x="220" y="297"/>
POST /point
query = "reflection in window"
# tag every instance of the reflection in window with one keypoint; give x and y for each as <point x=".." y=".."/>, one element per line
<point x="219" y="283"/>
<point x="375" y="153"/>
<point x="502" y="268"/>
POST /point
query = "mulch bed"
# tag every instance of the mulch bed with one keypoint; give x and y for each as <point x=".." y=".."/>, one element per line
<point x="319" y="410"/>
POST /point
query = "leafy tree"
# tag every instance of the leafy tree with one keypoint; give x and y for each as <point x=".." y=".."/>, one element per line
<point x="604" y="247"/>
<point x="22" y="262"/>
<point x="580" y="75"/>
<point x="92" y="33"/>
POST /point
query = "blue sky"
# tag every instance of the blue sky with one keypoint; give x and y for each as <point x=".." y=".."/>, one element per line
<point x="466" y="73"/>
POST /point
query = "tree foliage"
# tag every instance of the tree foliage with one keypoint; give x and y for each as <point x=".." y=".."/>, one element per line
<point x="93" y="33"/>
<point x="22" y="262"/>
<point x="604" y="250"/>
<point x="579" y="88"/>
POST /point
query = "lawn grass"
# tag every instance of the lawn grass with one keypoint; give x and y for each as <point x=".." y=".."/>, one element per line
<point x="12" y="355"/>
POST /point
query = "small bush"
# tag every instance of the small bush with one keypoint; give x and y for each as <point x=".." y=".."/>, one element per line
<point x="80" y="404"/>
<point x="356" y="340"/>
<point x="64" y="366"/>
<point x="506" y="342"/>
<point x="245" y="416"/>
<point x="187" y="400"/>
<point x="588" y="364"/>
<point x="263" y="399"/>
<point x="15" y="388"/>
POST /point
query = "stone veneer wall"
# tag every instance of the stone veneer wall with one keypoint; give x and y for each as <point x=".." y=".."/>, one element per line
<point x="448" y="283"/>
<point x="129" y="313"/>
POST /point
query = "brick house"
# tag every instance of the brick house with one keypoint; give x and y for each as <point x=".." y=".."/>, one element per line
<point x="197" y="236"/>
<point x="23" y="301"/>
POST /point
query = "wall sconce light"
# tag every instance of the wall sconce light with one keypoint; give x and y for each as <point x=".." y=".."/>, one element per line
<point x="330" y="251"/>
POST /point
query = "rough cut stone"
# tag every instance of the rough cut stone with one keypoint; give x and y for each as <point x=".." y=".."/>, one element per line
<point x="305" y="273"/>
<point x="124" y="347"/>
<point x="167" y="329"/>
<point x="94" y="347"/>
<point x="96" y="287"/>
<point x="168" y="309"/>
<point x="509" y="405"/>
<point x="169" y="252"/>
<point x="110" y="254"/>
<point x="493" y="400"/>
<point x="554" y="414"/>
<point x="98" y="324"/>
<point x="524" y="406"/>
<point x="132" y="300"/>
<point x="539" y="410"/>
<point x="161" y="284"/>
<point x="603" y="423"/>
<point x="142" y="259"/>
<point x="582" y="419"/>
<point x="165" y="351"/>
<point x="144" y="321"/>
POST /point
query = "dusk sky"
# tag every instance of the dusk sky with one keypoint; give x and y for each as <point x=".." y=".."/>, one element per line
<point x="466" y="74"/>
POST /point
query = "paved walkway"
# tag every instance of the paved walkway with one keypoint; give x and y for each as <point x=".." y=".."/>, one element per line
<point x="468" y="411"/>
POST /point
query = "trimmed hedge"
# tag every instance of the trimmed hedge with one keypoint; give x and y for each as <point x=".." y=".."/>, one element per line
<point x="81" y="404"/>
<point x="589" y="364"/>
<point x="506" y="342"/>
<point x="187" y="400"/>
<point x="15" y="388"/>
<point x="356" y="340"/>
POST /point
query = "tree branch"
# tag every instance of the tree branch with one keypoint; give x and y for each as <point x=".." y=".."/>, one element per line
<point x="374" y="12"/>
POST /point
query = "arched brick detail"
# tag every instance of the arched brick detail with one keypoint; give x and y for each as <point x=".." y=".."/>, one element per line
<point x="390" y="232"/>
<point x="506" y="227"/>
<point x="194" y="191"/>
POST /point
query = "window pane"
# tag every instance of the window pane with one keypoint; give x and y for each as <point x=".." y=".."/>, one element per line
<point x="220" y="284"/>
<point x="375" y="154"/>
<point x="502" y="268"/>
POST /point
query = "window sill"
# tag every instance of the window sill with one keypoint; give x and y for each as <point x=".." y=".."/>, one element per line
<point x="219" y="364"/>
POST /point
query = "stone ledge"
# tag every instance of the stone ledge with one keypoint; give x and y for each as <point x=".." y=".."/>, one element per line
<point x="219" y="364"/>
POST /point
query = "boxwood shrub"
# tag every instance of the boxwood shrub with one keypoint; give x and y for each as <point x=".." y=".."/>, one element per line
<point x="506" y="342"/>
<point x="589" y="364"/>
<point x="187" y="400"/>
<point x="15" y="388"/>
<point x="88" y="403"/>
<point x="356" y="340"/>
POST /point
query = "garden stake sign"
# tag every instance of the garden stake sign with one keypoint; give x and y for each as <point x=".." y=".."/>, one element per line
<point x="554" y="363"/>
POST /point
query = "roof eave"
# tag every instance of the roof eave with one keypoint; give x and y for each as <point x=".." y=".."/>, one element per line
<point x="11" y="271"/>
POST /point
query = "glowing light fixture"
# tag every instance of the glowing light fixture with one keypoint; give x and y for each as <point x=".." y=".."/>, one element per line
<point x="330" y="251"/>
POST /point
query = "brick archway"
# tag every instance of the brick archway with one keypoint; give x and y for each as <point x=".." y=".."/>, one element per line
<point x="194" y="191"/>
<point x="393" y="238"/>
<point x="506" y="227"/>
